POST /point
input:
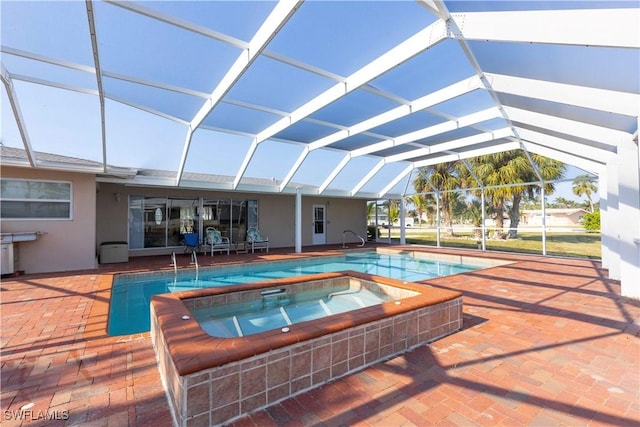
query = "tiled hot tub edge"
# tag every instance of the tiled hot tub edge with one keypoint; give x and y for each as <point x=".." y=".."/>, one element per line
<point x="263" y="369"/>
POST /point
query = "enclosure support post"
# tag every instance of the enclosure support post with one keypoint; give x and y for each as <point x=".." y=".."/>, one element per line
<point x="544" y="219"/>
<point x="298" y="221"/>
<point x="484" y="225"/>
<point x="628" y="207"/>
<point x="403" y="237"/>
<point x="438" y="219"/>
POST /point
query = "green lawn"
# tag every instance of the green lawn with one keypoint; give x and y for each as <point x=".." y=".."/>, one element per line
<point x="574" y="244"/>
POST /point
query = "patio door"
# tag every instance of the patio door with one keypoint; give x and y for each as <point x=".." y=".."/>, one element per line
<point x="319" y="225"/>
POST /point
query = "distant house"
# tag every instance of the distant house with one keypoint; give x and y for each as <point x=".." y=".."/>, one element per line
<point x="554" y="217"/>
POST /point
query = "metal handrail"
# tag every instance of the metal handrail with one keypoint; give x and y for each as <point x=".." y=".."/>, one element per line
<point x="344" y="245"/>
<point x="194" y="259"/>
<point x="174" y="263"/>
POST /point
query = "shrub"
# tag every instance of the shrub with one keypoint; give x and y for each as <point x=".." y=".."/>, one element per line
<point x="372" y="232"/>
<point x="591" y="221"/>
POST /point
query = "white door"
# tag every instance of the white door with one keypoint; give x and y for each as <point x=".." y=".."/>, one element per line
<point x="319" y="225"/>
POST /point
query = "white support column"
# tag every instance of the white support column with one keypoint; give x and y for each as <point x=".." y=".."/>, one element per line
<point x="610" y="223"/>
<point x="484" y="219"/>
<point x="629" y="214"/>
<point x="298" y="221"/>
<point x="403" y="237"/>
<point x="438" y="219"/>
<point x="604" y="219"/>
<point x="543" y="197"/>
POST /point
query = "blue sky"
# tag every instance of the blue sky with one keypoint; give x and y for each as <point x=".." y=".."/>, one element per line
<point x="68" y="122"/>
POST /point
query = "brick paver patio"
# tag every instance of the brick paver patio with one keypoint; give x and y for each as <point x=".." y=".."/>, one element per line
<point x="546" y="341"/>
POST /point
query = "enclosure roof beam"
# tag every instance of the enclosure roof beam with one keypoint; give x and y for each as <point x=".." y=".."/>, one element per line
<point x="565" y="145"/>
<point x="404" y="51"/>
<point x="504" y="146"/>
<point x="575" y="128"/>
<point x="396" y="180"/>
<point x="442" y="95"/>
<point x="598" y="99"/>
<point x="566" y="27"/>
<point x="17" y="114"/>
<point x="367" y="177"/>
<point x="569" y="158"/>
<point x="334" y="173"/>
<point x="269" y="28"/>
<point x="452" y="145"/>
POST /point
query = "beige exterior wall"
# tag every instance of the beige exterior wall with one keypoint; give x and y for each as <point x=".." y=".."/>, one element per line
<point x="276" y="215"/>
<point x="66" y="244"/>
<point x="554" y="219"/>
<point x="341" y="215"/>
<point x="100" y="214"/>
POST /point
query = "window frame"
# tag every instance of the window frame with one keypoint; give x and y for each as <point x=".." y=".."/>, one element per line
<point x="15" y="199"/>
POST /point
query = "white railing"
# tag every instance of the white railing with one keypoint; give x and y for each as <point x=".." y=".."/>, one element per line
<point x="344" y="244"/>
<point x="194" y="259"/>
<point x="174" y="264"/>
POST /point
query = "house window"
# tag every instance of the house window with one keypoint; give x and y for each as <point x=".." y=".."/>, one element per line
<point x="29" y="199"/>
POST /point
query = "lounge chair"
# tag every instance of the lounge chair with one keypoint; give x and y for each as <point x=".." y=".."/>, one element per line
<point x="216" y="242"/>
<point x="256" y="241"/>
<point x="191" y="242"/>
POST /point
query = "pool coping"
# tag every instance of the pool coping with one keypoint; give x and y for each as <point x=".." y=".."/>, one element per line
<point x="193" y="350"/>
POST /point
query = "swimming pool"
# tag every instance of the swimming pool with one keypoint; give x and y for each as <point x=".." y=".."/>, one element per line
<point x="131" y="293"/>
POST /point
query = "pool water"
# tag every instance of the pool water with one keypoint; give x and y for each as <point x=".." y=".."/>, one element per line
<point x="130" y="296"/>
<point x="282" y="310"/>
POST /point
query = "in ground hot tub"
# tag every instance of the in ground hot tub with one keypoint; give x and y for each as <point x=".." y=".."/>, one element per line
<point x="285" y="306"/>
<point x="212" y="378"/>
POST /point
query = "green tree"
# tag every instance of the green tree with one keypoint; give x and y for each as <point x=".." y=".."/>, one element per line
<point x="394" y="211"/>
<point x="420" y="203"/>
<point x="441" y="177"/>
<point x="496" y="171"/>
<point x="457" y="205"/>
<point x="562" y="203"/>
<point x="584" y="185"/>
<point x="549" y="170"/>
<point x="473" y="213"/>
<point x="371" y="210"/>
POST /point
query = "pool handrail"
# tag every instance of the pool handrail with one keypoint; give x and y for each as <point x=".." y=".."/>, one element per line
<point x="174" y="264"/>
<point x="344" y="244"/>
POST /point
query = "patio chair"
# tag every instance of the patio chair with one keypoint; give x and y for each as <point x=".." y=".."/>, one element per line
<point x="191" y="242"/>
<point x="216" y="242"/>
<point x="256" y="241"/>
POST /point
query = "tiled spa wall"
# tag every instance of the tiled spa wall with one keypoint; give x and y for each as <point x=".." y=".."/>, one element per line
<point x="217" y="395"/>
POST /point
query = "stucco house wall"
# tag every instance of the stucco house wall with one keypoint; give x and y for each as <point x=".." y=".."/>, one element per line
<point x="100" y="214"/>
<point x="67" y="244"/>
<point x="555" y="217"/>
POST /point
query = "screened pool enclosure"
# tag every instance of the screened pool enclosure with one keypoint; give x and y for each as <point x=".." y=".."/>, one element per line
<point x="340" y="99"/>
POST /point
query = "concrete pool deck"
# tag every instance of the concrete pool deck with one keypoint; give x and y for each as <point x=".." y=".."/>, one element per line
<point x="545" y="341"/>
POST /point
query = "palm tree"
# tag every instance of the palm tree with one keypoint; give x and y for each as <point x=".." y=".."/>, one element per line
<point x="513" y="167"/>
<point x="371" y="210"/>
<point x="584" y="185"/>
<point x="441" y="177"/>
<point x="496" y="170"/>
<point x="561" y="202"/>
<point x="420" y="203"/>
<point x="549" y="170"/>
<point x="473" y="212"/>
<point x="394" y="211"/>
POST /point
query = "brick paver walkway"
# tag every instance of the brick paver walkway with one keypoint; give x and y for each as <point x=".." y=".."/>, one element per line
<point x="545" y="342"/>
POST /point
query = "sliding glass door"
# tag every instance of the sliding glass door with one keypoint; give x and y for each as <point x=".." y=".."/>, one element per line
<point x="158" y="222"/>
